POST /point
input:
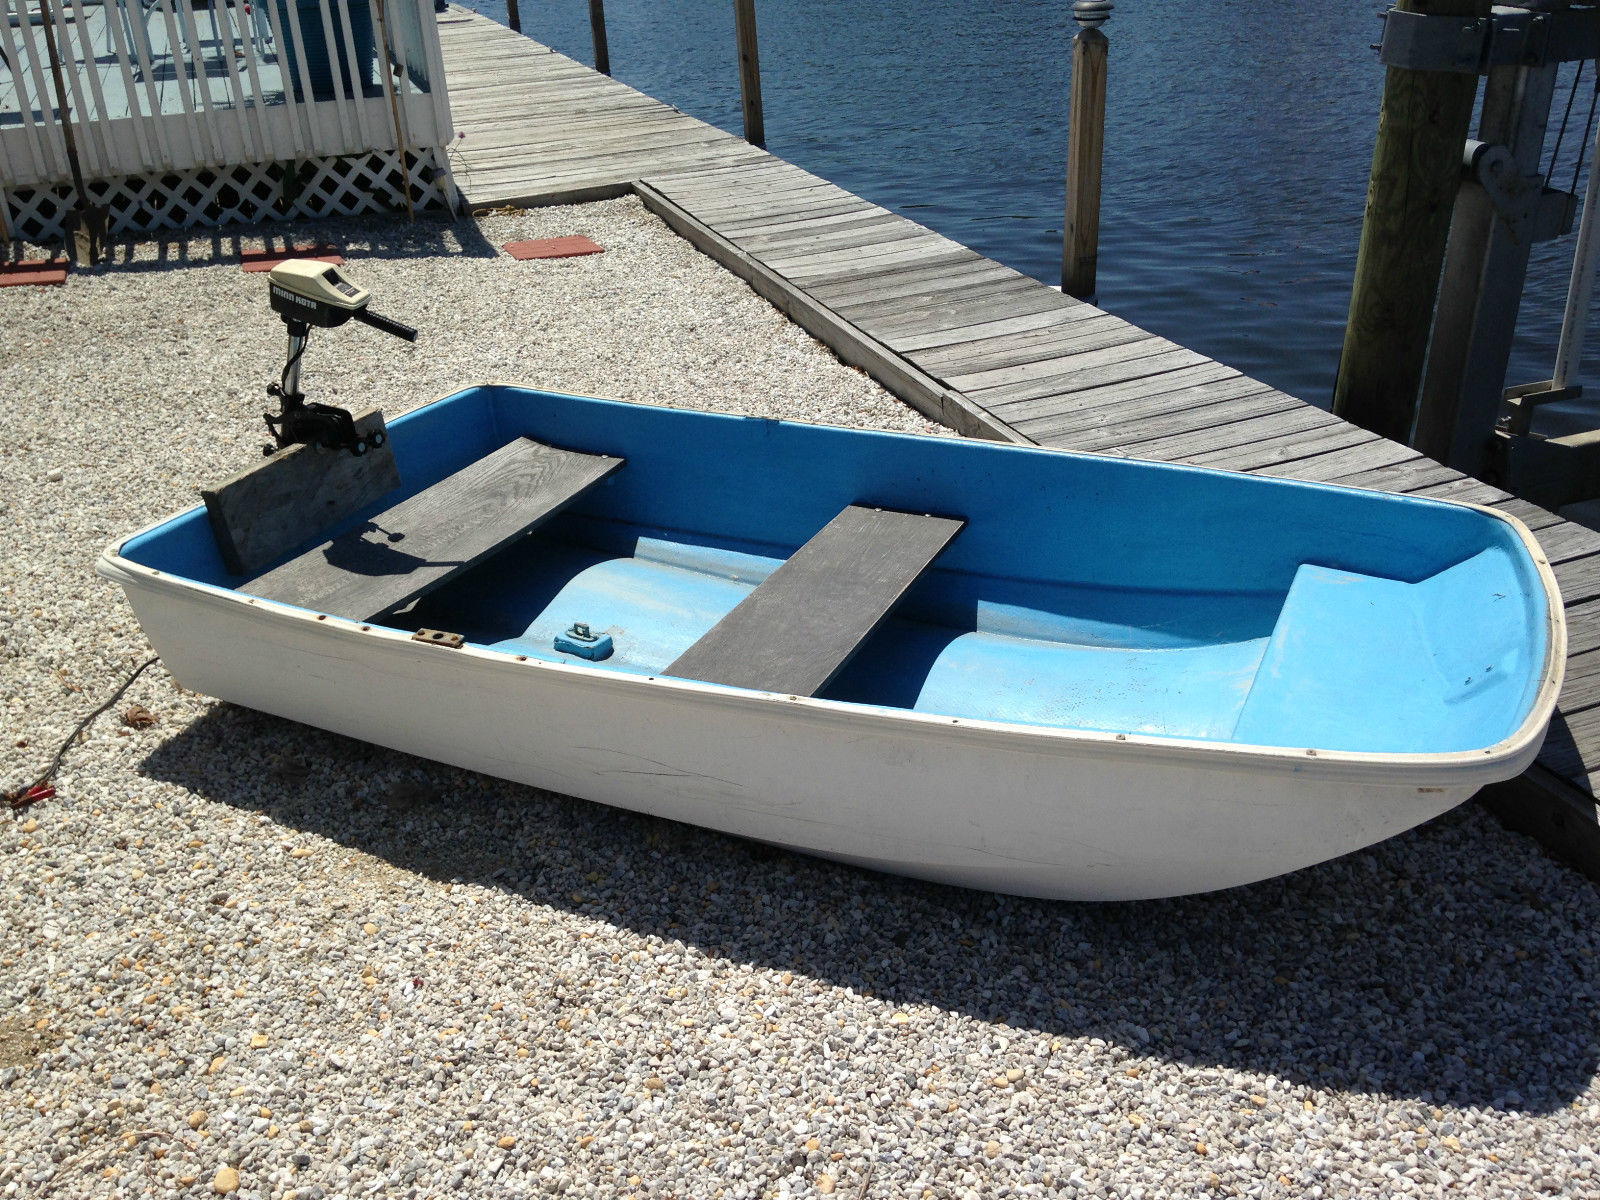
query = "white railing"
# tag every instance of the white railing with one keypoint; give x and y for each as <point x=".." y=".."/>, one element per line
<point x="158" y="86"/>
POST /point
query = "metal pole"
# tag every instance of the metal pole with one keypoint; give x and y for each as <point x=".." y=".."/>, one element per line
<point x="1585" y="259"/>
<point x="394" y="107"/>
<point x="299" y="331"/>
<point x="84" y="241"/>
<point x="744" y="19"/>
<point x="597" y="28"/>
<point x="1086" y="136"/>
<point x="61" y="101"/>
<point x="513" y="16"/>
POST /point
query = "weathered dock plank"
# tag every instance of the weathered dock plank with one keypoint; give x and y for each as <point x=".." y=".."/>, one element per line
<point x="1247" y="421"/>
<point x="1255" y="455"/>
<point x="1055" y="425"/>
<point x="1029" y="345"/>
<point x="897" y="282"/>
<point x="1217" y="401"/>
<point x="1033" y="398"/>
<point x="992" y="296"/>
<point x="821" y="219"/>
<point x="956" y="338"/>
<point x="839" y="266"/>
<point x="1580" y="580"/>
<point x="1071" y="361"/>
<point x="945" y="320"/>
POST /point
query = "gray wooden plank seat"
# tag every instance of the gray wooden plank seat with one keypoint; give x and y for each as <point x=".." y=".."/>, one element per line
<point x="421" y="543"/>
<point x="804" y="622"/>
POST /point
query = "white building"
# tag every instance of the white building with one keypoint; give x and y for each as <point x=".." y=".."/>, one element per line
<point x="187" y="112"/>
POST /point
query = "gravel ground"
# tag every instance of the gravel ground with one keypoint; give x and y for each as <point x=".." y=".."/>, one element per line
<point x="241" y="954"/>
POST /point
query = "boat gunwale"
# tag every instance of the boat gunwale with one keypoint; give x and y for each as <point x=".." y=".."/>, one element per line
<point x="1523" y="743"/>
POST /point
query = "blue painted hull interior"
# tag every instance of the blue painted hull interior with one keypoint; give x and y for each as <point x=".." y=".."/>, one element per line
<point x="1084" y="593"/>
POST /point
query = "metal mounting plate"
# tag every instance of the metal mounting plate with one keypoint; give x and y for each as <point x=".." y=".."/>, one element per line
<point x="1508" y="37"/>
<point x="1430" y="42"/>
<point x="439" y="637"/>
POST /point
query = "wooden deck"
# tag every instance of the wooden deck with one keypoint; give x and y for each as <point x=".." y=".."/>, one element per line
<point x="981" y="347"/>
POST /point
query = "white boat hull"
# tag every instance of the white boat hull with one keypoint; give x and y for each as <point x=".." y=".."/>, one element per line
<point x="1038" y="812"/>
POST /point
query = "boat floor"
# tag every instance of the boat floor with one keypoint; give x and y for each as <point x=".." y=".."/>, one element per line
<point x="1008" y="664"/>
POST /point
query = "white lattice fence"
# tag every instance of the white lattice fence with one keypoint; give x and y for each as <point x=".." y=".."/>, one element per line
<point x="244" y="194"/>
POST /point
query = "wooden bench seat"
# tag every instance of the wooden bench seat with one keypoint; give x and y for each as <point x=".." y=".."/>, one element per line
<point x="800" y="626"/>
<point x="423" y="542"/>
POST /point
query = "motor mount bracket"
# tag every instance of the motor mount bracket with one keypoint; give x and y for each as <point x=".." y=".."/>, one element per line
<point x="308" y="294"/>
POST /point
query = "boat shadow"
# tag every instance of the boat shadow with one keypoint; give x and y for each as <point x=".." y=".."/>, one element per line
<point x="1430" y="967"/>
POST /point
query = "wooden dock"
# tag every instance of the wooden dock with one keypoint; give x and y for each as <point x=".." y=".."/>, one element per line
<point x="973" y="343"/>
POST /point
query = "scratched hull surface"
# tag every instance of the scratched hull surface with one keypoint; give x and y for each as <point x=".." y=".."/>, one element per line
<point x="1120" y="680"/>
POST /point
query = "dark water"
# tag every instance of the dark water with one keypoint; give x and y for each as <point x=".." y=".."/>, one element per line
<point x="1238" y="144"/>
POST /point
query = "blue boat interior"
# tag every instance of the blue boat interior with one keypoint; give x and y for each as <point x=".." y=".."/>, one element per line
<point x="1083" y="592"/>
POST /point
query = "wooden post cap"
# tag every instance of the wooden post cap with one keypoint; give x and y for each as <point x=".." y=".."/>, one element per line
<point x="1091" y="14"/>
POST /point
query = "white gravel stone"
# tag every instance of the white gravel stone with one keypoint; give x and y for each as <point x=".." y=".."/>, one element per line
<point x="234" y="942"/>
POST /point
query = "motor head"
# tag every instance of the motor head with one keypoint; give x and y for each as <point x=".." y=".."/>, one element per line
<point x="318" y="294"/>
<point x="315" y="292"/>
<point x="307" y="295"/>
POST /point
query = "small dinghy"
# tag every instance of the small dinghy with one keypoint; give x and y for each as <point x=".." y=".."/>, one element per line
<point x="1009" y="668"/>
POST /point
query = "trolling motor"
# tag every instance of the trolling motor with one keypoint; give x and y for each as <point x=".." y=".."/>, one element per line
<point x="306" y="293"/>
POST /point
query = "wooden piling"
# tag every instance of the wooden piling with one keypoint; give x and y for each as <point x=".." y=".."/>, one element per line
<point x="513" y="16"/>
<point x="1086" y="135"/>
<point x="744" y="16"/>
<point x="597" y="27"/>
<point x="1416" y="169"/>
